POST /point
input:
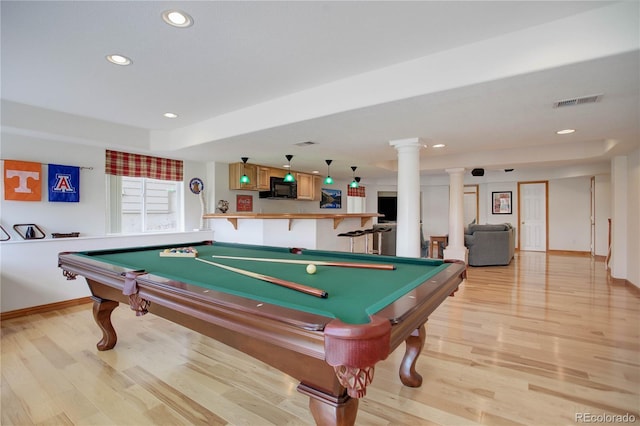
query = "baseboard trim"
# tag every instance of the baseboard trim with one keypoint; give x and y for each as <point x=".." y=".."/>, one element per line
<point x="44" y="308"/>
<point x="621" y="282"/>
<point x="570" y="253"/>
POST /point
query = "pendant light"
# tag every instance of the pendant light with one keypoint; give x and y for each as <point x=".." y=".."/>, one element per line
<point x="354" y="182"/>
<point x="328" y="180"/>
<point x="244" y="178"/>
<point x="289" y="177"/>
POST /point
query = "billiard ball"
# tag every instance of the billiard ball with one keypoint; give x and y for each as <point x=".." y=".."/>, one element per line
<point x="311" y="269"/>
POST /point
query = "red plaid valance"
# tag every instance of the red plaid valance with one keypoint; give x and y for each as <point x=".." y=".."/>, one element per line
<point x="136" y="165"/>
<point x="355" y="192"/>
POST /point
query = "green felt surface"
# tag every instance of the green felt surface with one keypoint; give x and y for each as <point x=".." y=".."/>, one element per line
<point x="354" y="294"/>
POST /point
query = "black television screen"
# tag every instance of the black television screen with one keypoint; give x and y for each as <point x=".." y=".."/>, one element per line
<point x="388" y="206"/>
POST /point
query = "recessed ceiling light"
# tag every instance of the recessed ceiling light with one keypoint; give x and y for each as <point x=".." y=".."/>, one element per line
<point x="177" y="18"/>
<point x="119" y="59"/>
<point x="439" y="145"/>
<point x="170" y="115"/>
<point x="286" y="166"/>
<point x="565" y="131"/>
<point x="315" y="172"/>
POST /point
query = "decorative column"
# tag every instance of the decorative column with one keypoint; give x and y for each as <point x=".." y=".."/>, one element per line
<point x="408" y="227"/>
<point x="456" y="248"/>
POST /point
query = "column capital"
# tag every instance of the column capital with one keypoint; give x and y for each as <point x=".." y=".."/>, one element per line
<point x="456" y="170"/>
<point x="406" y="143"/>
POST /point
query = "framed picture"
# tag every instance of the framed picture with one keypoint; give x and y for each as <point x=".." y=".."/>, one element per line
<point x="501" y="202"/>
<point x="331" y="199"/>
<point x="244" y="203"/>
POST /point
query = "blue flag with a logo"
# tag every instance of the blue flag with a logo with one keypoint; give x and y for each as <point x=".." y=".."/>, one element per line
<point x="64" y="183"/>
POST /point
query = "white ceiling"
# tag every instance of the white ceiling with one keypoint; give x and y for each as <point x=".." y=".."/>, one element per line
<point x="255" y="78"/>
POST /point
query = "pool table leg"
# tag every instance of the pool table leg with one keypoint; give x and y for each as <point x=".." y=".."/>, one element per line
<point x="341" y="414"/>
<point x="102" y="309"/>
<point x="415" y="342"/>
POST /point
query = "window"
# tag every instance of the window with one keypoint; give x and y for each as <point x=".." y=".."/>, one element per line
<point x="144" y="205"/>
<point x="144" y="193"/>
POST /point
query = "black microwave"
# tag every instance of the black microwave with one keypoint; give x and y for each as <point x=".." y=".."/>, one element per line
<point x="280" y="189"/>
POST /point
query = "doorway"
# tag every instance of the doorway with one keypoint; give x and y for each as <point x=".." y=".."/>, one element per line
<point x="533" y="216"/>
<point x="388" y="206"/>
<point x="471" y="204"/>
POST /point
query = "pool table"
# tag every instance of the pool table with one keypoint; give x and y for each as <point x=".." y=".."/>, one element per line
<point x="330" y="344"/>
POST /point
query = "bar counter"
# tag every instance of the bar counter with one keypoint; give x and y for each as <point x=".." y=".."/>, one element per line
<point x="306" y="230"/>
<point x="337" y="218"/>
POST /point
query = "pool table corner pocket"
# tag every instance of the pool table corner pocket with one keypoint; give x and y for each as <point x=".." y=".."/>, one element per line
<point x="354" y="349"/>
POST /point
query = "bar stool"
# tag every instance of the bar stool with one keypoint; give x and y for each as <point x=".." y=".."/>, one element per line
<point x="368" y="232"/>
<point x="380" y="231"/>
<point x="351" y="235"/>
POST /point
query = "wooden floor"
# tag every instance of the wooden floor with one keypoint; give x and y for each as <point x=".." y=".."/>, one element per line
<point x="537" y="343"/>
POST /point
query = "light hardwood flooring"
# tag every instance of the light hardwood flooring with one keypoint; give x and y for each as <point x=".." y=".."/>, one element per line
<point x="538" y="342"/>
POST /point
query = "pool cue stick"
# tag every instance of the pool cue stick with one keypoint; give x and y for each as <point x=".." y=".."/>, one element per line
<point x="383" y="266"/>
<point x="288" y="284"/>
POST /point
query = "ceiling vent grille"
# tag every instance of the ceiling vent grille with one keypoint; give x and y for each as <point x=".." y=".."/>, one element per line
<point x="577" y="101"/>
<point x="306" y="143"/>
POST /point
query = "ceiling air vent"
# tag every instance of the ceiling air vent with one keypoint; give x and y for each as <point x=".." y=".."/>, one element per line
<point x="577" y="101"/>
<point x="306" y="143"/>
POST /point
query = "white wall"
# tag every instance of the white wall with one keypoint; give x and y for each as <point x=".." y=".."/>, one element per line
<point x="569" y="203"/>
<point x="31" y="277"/>
<point x="569" y="214"/>
<point x="486" y="203"/>
<point x="89" y="215"/>
<point x="21" y="284"/>
<point x="435" y="210"/>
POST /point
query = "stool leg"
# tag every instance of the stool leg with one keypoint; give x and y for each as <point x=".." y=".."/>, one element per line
<point x="379" y="242"/>
<point x="351" y="244"/>
<point x="366" y="243"/>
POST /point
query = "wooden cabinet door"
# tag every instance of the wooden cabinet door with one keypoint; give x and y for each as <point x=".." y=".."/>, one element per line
<point x="317" y="188"/>
<point x="305" y="186"/>
<point x="236" y="170"/>
<point x="277" y="173"/>
<point x="264" y="174"/>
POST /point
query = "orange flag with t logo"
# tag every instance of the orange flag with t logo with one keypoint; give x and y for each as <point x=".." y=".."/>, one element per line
<point x="22" y="180"/>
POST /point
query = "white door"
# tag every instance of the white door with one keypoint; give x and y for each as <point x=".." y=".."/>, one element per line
<point x="533" y="216"/>
<point x="470" y="204"/>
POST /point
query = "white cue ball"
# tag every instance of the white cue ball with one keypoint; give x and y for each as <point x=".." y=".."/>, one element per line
<point x="311" y="269"/>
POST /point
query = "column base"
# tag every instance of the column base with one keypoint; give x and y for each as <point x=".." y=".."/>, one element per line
<point x="457" y="253"/>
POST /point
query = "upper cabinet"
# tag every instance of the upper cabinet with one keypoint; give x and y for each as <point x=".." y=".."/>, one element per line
<point x="308" y="187"/>
<point x="277" y="172"/>
<point x="260" y="180"/>
<point x="236" y="170"/>
<point x="264" y="174"/>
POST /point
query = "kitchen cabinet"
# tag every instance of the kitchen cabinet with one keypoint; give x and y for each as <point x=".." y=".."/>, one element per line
<point x="264" y="174"/>
<point x="308" y="187"/>
<point x="236" y="170"/>
<point x="260" y="180"/>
